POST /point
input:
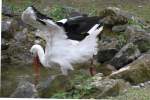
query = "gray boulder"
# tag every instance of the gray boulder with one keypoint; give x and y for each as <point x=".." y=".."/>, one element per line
<point x="125" y="56"/>
<point x="119" y="28"/>
<point x="25" y="90"/>
<point x="10" y="27"/>
<point x="49" y="87"/>
<point x="4" y="44"/>
<point x="6" y="10"/>
<point x="102" y="87"/>
<point x="6" y="29"/>
<point x="106" y="54"/>
<point x="21" y="36"/>
<point x="107" y="49"/>
<point x="6" y="25"/>
<point x="136" y="72"/>
<point x="139" y="37"/>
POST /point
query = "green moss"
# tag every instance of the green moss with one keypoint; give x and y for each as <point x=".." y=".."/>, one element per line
<point x="79" y="91"/>
<point x="143" y="45"/>
<point x="134" y="94"/>
<point x="131" y="49"/>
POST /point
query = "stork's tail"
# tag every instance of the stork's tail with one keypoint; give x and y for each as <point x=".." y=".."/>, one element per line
<point x="88" y="46"/>
<point x="95" y="30"/>
<point x="91" y="39"/>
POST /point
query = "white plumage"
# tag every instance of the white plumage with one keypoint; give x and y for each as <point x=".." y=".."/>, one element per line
<point x="59" y="49"/>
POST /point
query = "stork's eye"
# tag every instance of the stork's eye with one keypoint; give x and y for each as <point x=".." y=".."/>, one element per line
<point x="32" y="53"/>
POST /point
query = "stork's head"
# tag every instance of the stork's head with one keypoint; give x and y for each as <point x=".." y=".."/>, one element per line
<point x="38" y="20"/>
<point x="35" y="49"/>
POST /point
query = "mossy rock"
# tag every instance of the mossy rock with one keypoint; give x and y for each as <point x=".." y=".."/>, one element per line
<point x="143" y="45"/>
<point x="60" y="83"/>
<point x="135" y="72"/>
<point x="102" y="87"/>
<point x="114" y="16"/>
<point x="126" y="55"/>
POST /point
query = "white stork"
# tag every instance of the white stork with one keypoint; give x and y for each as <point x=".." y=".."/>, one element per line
<point x="59" y="49"/>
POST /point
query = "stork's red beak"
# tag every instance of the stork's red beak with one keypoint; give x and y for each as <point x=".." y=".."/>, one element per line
<point x="36" y="69"/>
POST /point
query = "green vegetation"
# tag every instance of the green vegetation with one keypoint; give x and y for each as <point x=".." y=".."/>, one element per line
<point x="18" y="6"/>
<point x="79" y="91"/>
<point x="85" y="6"/>
<point x="122" y="40"/>
<point x="135" y="22"/>
<point x="57" y="12"/>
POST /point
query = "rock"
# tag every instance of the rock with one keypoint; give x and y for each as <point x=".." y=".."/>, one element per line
<point x="103" y="87"/>
<point x="6" y="29"/>
<point x="148" y="82"/>
<point x="6" y="10"/>
<point x="106" y="69"/>
<point x="119" y="28"/>
<point x="125" y="56"/>
<point x="5" y="58"/>
<point x="136" y="87"/>
<point x="6" y="25"/>
<point x="139" y="37"/>
<point x="59" y="83"/>
<point x="143" y="44"/>
<point x="106" y="54"/>
<point x="107" y="49"/>
<point x="10" y="27"/>
<point x="19" y="47"/>
<point x="25" y="90"/>
<point x="19" y="52"/>
<point x="134" y="29"/>
<point x="4" y="44"/>
<point x="21" y="36"/>
<point x="17" y="41"/>
<point x="45" y="83"/>
<point x="114" y="16"/>
<point x="142" y="85"/>
<point x="136" y="72"/>
<point x="100" y="87"/>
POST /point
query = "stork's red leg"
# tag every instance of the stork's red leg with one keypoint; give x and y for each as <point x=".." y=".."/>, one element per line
<point x="37" y="69"/>
<point x="92" y="70"/>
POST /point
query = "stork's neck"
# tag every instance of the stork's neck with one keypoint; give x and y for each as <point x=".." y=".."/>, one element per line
<point x="41" y="55"/>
